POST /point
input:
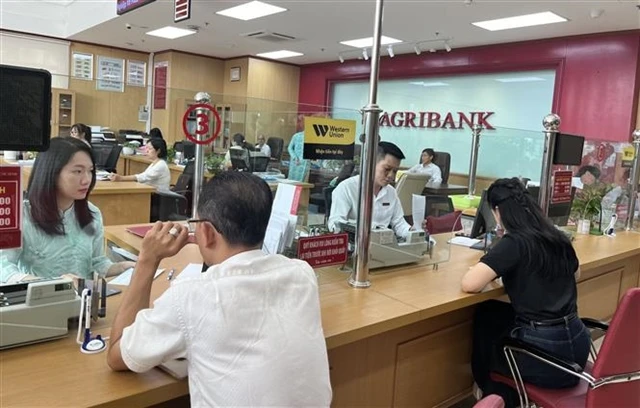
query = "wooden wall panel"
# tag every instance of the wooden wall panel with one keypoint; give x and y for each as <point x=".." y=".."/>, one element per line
<point x="117" y="110"/>
<point x="193" y="73"/>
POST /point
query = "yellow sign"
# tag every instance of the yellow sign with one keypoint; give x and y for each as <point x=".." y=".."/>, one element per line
<point x="325" y="138"/>
<point x="628" y="154"/>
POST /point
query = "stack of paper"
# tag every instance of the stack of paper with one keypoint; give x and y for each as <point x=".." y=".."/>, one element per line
<point x="282" y="222"/>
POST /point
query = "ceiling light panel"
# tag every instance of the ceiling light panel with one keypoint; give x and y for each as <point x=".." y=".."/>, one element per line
<point x="279" y="54"/>
<point x="171" y="33"/>
<point x="527" y="20"/>
<point x="368" y="42"/>
<point x="251" y="11"/>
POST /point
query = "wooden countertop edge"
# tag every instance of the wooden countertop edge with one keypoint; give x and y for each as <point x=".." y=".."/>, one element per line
<point x="172" y="390"/>
<point x="123" y="190"/>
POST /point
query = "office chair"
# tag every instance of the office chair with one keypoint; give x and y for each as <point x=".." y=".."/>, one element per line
<point x="240" y="159"/>
<point x="409" y="185"/>
<point x="112" y="159"/>
<point x="328" y="193"/>
<point x="276" y="144"/>
<point x="612" y="381"/>
<point x="174" y="204"/>
<point x="443" y="160"/>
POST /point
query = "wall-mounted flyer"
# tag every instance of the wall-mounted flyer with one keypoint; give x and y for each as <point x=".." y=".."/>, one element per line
<point x="110" y="74"/>
<point x="82" y="66"/>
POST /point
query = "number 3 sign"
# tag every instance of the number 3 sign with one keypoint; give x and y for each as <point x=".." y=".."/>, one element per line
<point x="202" y="123"/>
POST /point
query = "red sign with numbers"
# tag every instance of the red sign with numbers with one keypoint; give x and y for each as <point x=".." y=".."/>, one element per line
<point x="10" y="207"/>
<point x="561" y="187"/>
<point x="202" y="123"/>
<point x="324" y="250"/>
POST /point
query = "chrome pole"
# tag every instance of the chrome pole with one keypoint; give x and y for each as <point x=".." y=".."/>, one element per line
<point x="635" y="179"/>
<point x="198" y="174"/>
<point x="360" y="276"/>
<point x="551" y="124"/>
<point x="473" y="162"/>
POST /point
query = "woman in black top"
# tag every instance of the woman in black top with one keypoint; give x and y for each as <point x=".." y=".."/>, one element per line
<point x="539" y="268"/>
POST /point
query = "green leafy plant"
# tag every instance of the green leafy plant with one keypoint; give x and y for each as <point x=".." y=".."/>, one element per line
<point x="214" y="163"/>
<point x="131" y="145"/>
<point x="587" y="203"/>
<point x="171" y="154"/>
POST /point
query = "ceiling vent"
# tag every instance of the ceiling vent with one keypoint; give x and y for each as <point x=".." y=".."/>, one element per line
<point x="269" y="36"/>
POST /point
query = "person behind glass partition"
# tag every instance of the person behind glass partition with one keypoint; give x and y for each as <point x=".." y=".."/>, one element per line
<point x="249" y="326"/>
<point x="427" y="166"/>
<point x="62" y="232"/>
<point x="157" y="174"/>
<point x="155" y="133"/>
<point x="387" y="209"/>
<point x="237" y="142"/>
<point x="82" y="132"/>
<point x="263" y="147"/>
<point x="539" y="268"/>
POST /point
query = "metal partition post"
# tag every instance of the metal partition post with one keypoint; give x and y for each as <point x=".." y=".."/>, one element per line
<point x="635" y="179"/>
<point x="551" y="123"/>
<point x="360" y="276"/>
<point x="473" y="162"/>
<point x="198" y="174"/>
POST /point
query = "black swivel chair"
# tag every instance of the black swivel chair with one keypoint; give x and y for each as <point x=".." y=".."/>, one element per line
<point x="240" y="159"/>
<point x="443" y="160"/>
<point x="276" y="144"/>
<point x="174" y="204"/>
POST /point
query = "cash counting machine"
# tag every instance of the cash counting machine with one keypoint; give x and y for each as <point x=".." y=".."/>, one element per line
<point x="386" y="250"/>
<point x="36" y="311"/>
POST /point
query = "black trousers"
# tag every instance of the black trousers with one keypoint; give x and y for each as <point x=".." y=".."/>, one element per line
<point x="492" y="321"/>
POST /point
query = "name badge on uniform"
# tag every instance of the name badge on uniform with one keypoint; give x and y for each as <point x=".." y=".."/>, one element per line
<point x="386" y="204"/>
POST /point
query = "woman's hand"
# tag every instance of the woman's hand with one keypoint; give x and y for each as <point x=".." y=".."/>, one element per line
<point x="115" y="177"/>
<point x="119" y="267"/>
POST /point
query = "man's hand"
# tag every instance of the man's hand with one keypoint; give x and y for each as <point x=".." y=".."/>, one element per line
<point x="164" y="240"/>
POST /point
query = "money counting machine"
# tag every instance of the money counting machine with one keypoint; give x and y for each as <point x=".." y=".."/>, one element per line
<point x="36" y="311"/>
<point x="386" y="250"/>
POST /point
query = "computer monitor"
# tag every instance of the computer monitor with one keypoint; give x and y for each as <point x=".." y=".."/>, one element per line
<point x="484" y="220"/>
<point x="568" y="150"/>
<point x="188" y="149"/>
<point x="558" y="213"/>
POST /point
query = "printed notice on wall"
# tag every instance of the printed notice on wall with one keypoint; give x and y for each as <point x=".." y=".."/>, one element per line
<point x="324" y="250"/>
<point x="160" y="76"/>
<point x="136" y="73"/>
<point x="110" y="74"/>
<point x="82" y="66"/>
<point x="328" y="139"/>
<point x="561" y="187"/>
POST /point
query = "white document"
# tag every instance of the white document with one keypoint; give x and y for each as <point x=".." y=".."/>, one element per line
<point x="124" y="279"/>
<point x="464" y="241"/>
<point x="282" y="222"/>
<point x="419" y="203"/>
<point x="276" y="234"/>
<point x="191" y="270"/>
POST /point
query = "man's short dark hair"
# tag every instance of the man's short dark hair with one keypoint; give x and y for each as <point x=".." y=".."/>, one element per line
<point x="591" y="169"/>
<point x="238" y="204"/>
<point x="388" y="148"/>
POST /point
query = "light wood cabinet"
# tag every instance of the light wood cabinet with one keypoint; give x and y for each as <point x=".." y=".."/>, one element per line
<point x="63" y="111"/>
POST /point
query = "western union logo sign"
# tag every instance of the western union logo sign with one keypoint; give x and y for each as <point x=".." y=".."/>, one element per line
<point x="331" y="139"/>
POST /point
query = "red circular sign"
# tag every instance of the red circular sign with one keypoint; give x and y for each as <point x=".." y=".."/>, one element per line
<point x="202" y="124"/>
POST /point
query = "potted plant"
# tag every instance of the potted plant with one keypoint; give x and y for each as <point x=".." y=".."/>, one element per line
<point x="129" y="148"/>
<point x="171" y="154"/>
<point x="213" y="163"/>
<point x="587" y="208"/>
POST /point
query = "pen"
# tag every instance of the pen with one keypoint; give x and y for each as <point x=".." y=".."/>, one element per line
<point x="170" y="274"/>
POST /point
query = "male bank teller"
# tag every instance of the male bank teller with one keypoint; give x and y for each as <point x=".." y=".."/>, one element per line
<point x="387" y="210"/>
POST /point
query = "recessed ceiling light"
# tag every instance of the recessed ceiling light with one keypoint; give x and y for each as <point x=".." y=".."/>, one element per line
<point x="520" y="79"/>
<point x="429" y="83"/>
<point x="171" y="33"/>
<point x="526" y="20"/>
<point x="279" y="54"/>
<point x="251" y="10"/>
<point x="368" y="42"/>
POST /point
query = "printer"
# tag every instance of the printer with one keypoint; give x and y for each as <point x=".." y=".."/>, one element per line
<point x="36" y="311"/>
<point x="386" y="250"/>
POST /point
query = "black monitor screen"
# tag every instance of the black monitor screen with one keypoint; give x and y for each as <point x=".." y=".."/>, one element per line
<point x="484" y="220"/>
<point x="25" y="109"/>
<point x="558" y="213"/>
<point x="568" y="150"/>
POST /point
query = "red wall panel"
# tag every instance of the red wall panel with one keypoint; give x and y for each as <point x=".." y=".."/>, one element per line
<point x="597" y="77"/>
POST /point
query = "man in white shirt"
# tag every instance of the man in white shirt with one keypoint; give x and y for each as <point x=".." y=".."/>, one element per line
<point x="387" y="210"/>
<point x="426" y="166"/>
<point x="263" y="147"/>
<point x="249" y="327"/>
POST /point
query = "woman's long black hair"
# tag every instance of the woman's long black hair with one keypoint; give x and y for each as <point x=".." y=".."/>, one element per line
<point x="545" y="248"/>
<point x="43" y="186"/>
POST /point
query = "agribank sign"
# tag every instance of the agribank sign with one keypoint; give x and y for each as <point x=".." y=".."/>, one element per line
<point x="436" y="120"/>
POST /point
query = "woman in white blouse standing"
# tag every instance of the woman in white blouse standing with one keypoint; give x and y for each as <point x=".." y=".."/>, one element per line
<point x="157" y="174"/>
<point x="426" y="166"/>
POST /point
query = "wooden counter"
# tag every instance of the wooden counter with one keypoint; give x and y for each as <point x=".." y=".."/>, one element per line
<point x="406" y="341"/>
<point x="125" y="202"/>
